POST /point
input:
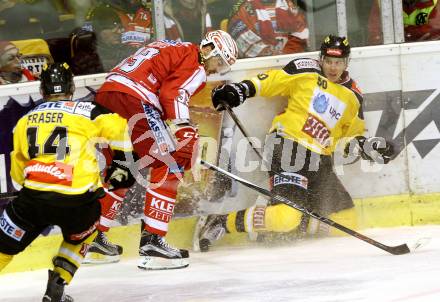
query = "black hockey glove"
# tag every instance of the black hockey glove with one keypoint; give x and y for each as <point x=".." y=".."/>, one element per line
<point x="118" y="175"/>
<point x="374" y="149"/>
<point x="233" y="94"/>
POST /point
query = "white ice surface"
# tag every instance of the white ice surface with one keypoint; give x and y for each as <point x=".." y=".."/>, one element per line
<point x="331" y="270"/>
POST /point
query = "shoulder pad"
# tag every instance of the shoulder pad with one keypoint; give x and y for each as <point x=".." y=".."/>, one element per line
<point x="302" y="65"/>
<point x="351" y="84"/>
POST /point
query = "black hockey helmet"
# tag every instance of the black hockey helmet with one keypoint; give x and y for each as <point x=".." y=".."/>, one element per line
<point x="56" y="79"/>
<point x="334" y="46"/>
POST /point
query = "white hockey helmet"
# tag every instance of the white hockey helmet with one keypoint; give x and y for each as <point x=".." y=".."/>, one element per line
<point x="224" y="47"/>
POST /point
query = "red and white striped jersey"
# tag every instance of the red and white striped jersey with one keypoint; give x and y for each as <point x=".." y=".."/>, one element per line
<point x="164" y="74"/>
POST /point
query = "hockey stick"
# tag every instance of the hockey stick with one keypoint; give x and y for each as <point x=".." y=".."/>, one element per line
<point x="395" y="250"/>
<point x="245" y="134"/>
<point x="241" y="127"/>
<point x="8" y="195"/>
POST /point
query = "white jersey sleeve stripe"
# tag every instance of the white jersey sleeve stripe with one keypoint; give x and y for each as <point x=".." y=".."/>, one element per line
<point x="195" y="81"/>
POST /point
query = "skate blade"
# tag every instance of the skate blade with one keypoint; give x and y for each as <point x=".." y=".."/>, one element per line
<point x="95" y="258"/>
<point x="158" y="263"/>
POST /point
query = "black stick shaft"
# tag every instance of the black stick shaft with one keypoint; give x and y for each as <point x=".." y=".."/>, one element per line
<point x="8" y="195"/>
<point x="245" y="134"/>
<point x="242" y="129"/>
<point x="395" y="250"/>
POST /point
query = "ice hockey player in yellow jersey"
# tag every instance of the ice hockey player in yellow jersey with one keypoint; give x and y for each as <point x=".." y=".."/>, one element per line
<point x="324" y="106"/>
<point x="54" y="165"/>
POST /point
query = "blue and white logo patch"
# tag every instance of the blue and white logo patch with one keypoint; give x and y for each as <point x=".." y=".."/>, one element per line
<point x="161" y="135"/>
<point x="327" y="107"/>
<point x="10" y="228"/>
<point x="320" y="103"/>
<point x="291" y="179"/>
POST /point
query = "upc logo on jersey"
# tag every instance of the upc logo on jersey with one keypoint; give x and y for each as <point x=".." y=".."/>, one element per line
<point x="9" y="228"/>
<point x="51" y="173"/>
<point x="291" y="179"/>
<point x="320" y="103"/>
<point x="327" y="107"/>
<point x="84" y="108"/>
<point x="317" y="129"/>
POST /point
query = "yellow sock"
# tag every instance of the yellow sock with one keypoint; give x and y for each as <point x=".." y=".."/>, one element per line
<point x="281" y="218"/>
<point x="230" y="222"/>
<point x="70" y="256"/>
<point x="276" y="218"/>
<point x="347" y="218"/>
<point x="241" y="221"/>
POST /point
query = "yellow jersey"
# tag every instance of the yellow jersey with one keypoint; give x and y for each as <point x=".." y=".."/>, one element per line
<point x="319" y="112"/>
<point x="55" y="146"/>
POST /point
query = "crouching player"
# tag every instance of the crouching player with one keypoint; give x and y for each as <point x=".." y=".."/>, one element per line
<point x="324" y="106"/>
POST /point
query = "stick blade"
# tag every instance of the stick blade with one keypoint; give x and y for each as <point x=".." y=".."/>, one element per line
<point x="399" y="249"/>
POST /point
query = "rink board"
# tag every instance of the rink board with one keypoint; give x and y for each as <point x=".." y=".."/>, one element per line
<point x="402" y="103"/>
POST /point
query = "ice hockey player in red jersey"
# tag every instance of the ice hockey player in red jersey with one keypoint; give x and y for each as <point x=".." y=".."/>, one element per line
<point x="151" y="89"/>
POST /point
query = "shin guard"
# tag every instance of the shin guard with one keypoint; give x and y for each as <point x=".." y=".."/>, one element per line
<point x="160" y="200"/>
<point x="70" y="257"/>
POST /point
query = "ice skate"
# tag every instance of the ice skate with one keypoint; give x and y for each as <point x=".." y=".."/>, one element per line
<point x="157" y="254"/>
<point x="55" y="289"/>
<point x="103" y="251"/>
<point x="213" y="230"/>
